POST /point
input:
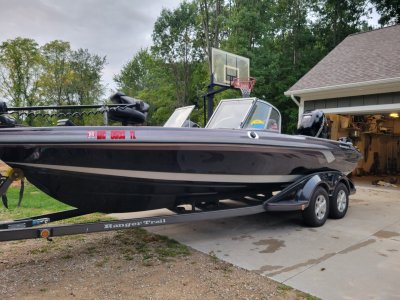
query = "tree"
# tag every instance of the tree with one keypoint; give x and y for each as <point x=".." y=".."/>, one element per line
<point x="57" y="75"/>
<point x="20" y="66"/>
<point x="283" y="39"/>
<point x="145" y="77"/>
<point x="389" y="10"/>
<point x="212" y="19"/>
<point x="175" y="38"/>
<point x="136" y="74"/>
<point x="337" y="19"/>
<point x="85" y="86"/>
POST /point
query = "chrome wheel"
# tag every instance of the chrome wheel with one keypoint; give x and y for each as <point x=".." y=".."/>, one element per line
<point x="341" y="201"/>
<point x="320" y="207"/>
<point x="316" y="213"/>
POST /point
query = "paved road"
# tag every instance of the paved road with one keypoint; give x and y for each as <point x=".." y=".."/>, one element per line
<point x="357" y="257"/>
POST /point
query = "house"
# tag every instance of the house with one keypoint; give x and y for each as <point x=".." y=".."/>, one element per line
<point x="357" y="85"/>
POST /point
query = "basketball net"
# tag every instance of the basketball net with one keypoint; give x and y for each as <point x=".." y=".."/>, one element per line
<point x="245" y="85"/>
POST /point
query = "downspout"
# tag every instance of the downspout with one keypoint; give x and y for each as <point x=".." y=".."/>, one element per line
<point x="295" y="100"/>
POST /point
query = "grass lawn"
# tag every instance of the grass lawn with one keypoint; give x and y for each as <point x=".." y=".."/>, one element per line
<point x="35" y="202"/>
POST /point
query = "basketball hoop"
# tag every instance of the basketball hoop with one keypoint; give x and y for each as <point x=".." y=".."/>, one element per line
<point x="245" y="85"/>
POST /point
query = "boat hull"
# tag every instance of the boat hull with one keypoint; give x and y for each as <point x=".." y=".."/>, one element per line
<point x="122" y="169"/>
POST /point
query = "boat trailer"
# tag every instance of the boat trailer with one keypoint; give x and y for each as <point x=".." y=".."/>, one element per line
<point x="316" y="195"/>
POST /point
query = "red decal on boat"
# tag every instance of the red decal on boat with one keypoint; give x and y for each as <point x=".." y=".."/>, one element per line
<point x="101" y="135"/>
<point x="91" y="134"/>
<point x="117" y="134"/>
<point x="133" y="136"/>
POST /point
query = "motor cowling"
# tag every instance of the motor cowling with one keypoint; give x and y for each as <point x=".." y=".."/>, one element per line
<point x="313" y="123"/>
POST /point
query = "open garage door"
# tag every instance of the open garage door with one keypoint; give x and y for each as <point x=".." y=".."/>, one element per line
<point x="377" y="135"/>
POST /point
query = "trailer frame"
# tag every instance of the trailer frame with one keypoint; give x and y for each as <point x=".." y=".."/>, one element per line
<point x="297" y="196"/>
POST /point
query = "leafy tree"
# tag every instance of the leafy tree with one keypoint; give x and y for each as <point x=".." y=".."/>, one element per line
<point x="57" y="75"/>
<point x="136" y="74"/>
<point x="389" y="10"/>
<point x="337" y="19"/>
<point x="213" y="15"/>
<point x="144" y="77"/>
<point x="282" y="38"/>
<point x="20" y="66"/>
<point x="175" y="38"/>
<point x="85" y="87"/>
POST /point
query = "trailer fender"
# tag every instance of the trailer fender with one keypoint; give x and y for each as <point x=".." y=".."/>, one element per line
<point x="305" y="193"/>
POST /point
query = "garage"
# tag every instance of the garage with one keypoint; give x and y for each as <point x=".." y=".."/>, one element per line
<point x="357" y="86"/>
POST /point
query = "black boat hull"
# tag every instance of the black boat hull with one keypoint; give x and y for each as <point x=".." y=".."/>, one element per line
<point x="123" y="169"/>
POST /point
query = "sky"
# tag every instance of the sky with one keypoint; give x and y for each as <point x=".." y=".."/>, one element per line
<point x="116" y="29"/>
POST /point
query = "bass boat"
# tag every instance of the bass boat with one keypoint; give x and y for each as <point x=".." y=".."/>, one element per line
<point x="241" y="152"/>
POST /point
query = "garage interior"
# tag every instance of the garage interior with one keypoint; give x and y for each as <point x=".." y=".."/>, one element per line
<point x="377" y="136"/>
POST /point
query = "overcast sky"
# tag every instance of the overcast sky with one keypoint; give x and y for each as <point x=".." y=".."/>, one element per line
<point x="113" y="28"/>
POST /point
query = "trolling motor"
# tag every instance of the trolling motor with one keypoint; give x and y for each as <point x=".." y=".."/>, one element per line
<point x="134" y="113"/>
<point x="314" y="124"/>
<point x="5" y="119"/>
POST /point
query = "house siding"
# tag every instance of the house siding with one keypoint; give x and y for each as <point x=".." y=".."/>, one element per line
<point x="376" y="99"/>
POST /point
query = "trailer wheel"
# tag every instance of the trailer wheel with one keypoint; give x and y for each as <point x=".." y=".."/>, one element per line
<point x="317" y="211"/>
<point x="339" y="202"/>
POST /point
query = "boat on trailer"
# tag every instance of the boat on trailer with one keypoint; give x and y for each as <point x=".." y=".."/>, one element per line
<point x="241" y="154"/>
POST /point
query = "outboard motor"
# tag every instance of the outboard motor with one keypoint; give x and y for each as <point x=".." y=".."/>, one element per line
<point x="135" y="113"/>
<point x="314" y="124"/>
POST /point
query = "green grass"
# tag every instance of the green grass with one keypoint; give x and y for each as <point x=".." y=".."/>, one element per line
<point x="149" y="245"/>
<point x="35" y="203"/>
<point x="283" y="289"/>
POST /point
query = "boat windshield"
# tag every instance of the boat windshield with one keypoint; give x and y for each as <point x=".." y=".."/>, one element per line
<point x="230" y="113"/>
<point x="249" y="113"/>
<point x="263" y="116"/>
<point x="179" y="116"/>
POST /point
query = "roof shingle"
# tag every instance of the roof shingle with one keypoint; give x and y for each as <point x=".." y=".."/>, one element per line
<point x="372" y="55"/>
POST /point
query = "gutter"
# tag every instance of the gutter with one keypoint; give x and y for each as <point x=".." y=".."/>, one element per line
<point x="294" y="99"/>
<point x="343" y="86"/>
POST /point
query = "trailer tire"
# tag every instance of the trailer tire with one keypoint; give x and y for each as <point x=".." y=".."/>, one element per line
<point x="339" y="202"/>
<point x="316" y="213"/>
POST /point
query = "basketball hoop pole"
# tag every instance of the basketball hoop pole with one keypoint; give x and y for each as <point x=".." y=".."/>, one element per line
<point x="210" y="97"/>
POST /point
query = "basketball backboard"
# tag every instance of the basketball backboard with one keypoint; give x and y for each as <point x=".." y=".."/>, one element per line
<point x="226" y="66"/>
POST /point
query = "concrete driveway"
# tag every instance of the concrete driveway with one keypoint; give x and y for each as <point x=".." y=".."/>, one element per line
<point x="357" y="257"/>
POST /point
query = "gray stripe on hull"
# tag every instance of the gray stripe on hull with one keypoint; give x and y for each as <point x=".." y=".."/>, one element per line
<point x="168" y="176"/>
